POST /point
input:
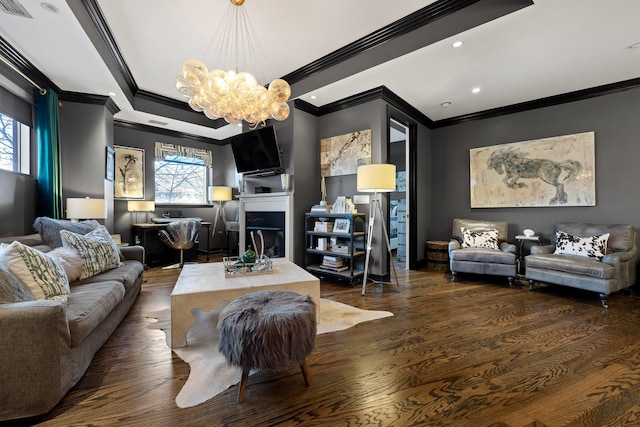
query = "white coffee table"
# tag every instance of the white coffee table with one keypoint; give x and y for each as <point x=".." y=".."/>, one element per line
<point x="204" y="286"/>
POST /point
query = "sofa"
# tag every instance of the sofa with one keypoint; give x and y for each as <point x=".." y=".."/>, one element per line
<point x="594" y="257"/>
<point x="480" y="247"/>
<point x="47" y="345"/>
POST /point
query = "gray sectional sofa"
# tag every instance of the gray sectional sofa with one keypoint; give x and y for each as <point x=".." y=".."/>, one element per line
<point x="46" y="345"/>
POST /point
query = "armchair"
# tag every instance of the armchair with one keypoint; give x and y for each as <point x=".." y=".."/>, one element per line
<point x="488" y="254"/>
<point x="609" y="271"/>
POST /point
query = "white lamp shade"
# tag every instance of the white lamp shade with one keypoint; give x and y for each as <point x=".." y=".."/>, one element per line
<point x="379" y="178"/>
<point x="86" y="208"/>
<point x="141" y="206"/>
<point x="219" y="193"/>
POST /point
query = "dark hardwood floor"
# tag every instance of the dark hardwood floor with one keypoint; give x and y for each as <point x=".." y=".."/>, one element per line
<point x="469" y="353"/>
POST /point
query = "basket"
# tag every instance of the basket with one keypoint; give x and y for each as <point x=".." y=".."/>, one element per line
<point x="234" y="267"/>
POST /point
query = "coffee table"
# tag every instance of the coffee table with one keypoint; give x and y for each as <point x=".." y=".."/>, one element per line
<point x="204" y="286"/>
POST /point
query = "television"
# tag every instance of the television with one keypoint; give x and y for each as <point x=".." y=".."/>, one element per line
<point x="257" y="152"/>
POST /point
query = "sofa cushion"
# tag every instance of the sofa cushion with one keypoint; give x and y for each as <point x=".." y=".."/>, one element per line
<point x="571" y="264"/>
<point x="480" y="239"/>
<point x="70" y="260"/>
<point x="97" y="253"/>
<point x="89" y="305"/>
<point x="483" y="255"/>
<point x="49" y="229"/>
<point x="591" y="247"/>
<point x="10" y="288"/>
<point x="41" y="275"/>
<point x="126" y="274"/>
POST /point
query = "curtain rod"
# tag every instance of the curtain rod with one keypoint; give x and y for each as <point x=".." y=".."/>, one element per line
<point x="13" y="67"/>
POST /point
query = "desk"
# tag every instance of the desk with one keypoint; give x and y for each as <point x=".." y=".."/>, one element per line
<point x="521" y="238"/>
<point x="141" y="231"/>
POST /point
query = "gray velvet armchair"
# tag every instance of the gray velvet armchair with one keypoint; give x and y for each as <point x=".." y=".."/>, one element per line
<point x="615" y="271"/>
<point x="498" y="261"/>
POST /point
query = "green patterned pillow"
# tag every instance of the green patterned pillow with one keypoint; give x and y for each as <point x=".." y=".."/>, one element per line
<point x="97" y="254"/>
<point x="37" y="272"/>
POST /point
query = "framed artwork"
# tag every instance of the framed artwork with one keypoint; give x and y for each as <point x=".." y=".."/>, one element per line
<point x="341" y="155"/>
<point x="341" y="225"/>
<point x="110" y="165"/>
<point x="129" y="173"/>
<point x="549" y="172"/>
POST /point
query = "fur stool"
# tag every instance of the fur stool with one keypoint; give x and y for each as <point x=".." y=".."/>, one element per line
<point x="267" y="330"/>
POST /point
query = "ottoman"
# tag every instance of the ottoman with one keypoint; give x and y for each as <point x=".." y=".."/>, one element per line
<point x="268" y="330"/>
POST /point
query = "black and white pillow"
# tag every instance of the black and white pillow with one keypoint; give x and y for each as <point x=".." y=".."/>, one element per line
<point x="591" y="247"/>
<point x="480" y="239"/>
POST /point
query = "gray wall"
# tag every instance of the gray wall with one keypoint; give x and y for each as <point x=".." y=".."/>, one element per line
<point x="615" y="120"/>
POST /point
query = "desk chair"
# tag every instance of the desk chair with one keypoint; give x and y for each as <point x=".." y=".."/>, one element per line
<point x="180" y="234"/>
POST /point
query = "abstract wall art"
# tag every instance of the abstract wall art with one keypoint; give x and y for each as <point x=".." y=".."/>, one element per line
<point x="341" y="155"/>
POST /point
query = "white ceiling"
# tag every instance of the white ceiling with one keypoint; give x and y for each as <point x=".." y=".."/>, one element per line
<point x="550" y="48"/>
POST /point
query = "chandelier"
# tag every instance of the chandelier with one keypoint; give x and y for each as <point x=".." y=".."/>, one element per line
<point x="233" y="95"/>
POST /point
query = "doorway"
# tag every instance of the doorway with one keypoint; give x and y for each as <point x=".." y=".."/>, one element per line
<point x="399" y="200"/>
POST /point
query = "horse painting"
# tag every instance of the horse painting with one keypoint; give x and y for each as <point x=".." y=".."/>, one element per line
<point x="515" y="166"/>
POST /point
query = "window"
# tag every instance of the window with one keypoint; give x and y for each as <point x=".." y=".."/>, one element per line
<point x="14" y="145"/>
<point x="181" y="175"/>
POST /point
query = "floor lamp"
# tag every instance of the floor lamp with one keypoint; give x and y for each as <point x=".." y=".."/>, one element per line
<point x="219" y="194"/>
<point x="379" y="178"/>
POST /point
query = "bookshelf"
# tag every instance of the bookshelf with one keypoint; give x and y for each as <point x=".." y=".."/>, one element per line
<point x="335" y="245"/>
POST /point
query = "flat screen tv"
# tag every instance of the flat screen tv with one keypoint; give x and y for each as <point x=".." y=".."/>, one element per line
<point x="257" y="152"/>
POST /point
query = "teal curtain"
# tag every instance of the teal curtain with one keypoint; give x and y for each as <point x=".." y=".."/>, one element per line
<point x="49" y="166"/>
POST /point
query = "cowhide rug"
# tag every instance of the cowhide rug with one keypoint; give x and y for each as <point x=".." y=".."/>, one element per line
<point x="210" y="373"/>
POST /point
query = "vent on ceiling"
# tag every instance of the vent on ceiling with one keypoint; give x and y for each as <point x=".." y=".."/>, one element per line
<point x="156" y="122"/>
<point x="13" y="7"/>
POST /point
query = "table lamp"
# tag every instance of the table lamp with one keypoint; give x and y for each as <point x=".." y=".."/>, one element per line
<point x="141" y="206"/>
<point x="86" y="208"/>
<point x="377" y="178"/>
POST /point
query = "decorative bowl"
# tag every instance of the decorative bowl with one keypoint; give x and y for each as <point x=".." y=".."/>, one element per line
<point x="528" y="232"/>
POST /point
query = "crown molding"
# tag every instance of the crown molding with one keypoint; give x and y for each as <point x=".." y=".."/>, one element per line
<point x="25" y="67"/>
<point x="168" y="132"/>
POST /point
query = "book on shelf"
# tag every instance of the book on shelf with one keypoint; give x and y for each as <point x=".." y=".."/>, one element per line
<point x="330" y="268"/>
<point x="321" y="208"/>
<point x="332" y="259"/>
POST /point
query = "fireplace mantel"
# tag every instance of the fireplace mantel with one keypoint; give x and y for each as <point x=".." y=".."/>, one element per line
<point x="268" y="202"/>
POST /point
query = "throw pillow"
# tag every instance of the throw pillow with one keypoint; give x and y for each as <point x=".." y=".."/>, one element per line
<point x="70" y="260"/>
<point x="50" y="228"/>
<point x="10" y="288"/>
<point x="480" y="239"/>
<point x="40" y="274"/>
<point x="101" y="233"/>
<point x="97" y="255"/>
<point x="592" y="247"/>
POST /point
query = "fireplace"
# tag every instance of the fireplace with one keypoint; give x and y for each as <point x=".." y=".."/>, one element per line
<point x="271" y="225"/>
<point x="271" y="213"/>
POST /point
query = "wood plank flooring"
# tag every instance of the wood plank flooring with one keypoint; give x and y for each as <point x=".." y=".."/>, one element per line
<point x="468" y="353"/>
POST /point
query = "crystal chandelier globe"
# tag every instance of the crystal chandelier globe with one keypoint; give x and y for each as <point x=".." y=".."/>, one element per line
<point x="232" y="95"/>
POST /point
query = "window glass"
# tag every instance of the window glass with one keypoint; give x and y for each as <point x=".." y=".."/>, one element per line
<point x="180" y="180"/>
<point x="14" y="145"/>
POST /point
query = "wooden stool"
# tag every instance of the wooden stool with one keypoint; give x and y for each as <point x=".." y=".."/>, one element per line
<point x="268" y="330"/>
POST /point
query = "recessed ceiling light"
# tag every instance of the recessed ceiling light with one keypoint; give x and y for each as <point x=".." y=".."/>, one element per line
<point x="313" y="97"/>
<point x="49" y="7"/>
<point x="112" y="94"/>
<point x="475" y="90"/>
<point x="445" y="104"/>
<point x="239" y="124"/>
<point x="457" y="43"/>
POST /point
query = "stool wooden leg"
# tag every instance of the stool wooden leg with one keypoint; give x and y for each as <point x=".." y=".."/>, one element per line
<point x="305" y="373"/>
<point x="243" y="386"/>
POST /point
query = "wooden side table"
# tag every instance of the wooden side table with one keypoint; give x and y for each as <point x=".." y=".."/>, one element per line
<point x="437" y="255"/>
<point x="521" y="238"/>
